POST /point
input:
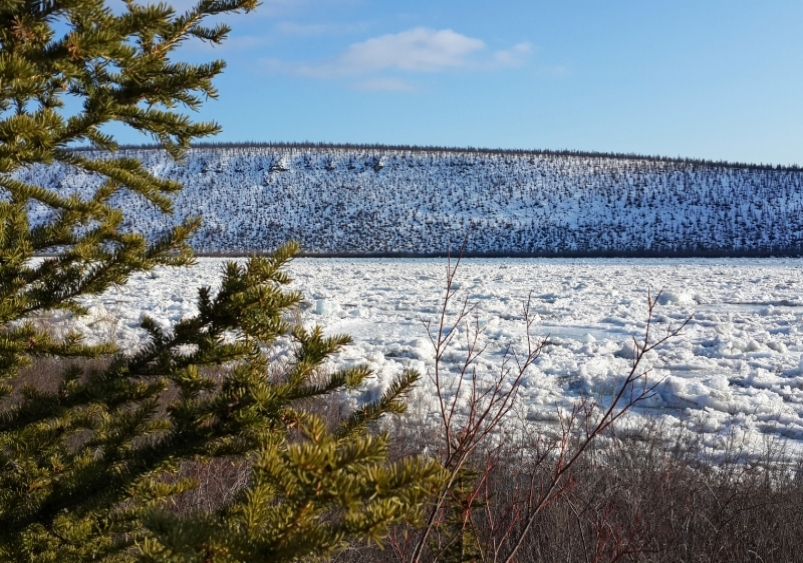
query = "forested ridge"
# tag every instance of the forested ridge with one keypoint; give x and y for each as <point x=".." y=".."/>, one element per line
<point x="373" y="200"/>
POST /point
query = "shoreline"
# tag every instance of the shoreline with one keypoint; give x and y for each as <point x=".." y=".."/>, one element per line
<point x="796" y="253"/>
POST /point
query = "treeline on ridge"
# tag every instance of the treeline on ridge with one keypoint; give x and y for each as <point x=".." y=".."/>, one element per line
<point x="467" y="149"/>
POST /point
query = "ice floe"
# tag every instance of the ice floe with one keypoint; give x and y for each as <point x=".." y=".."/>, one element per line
<point x="737" y="363"/>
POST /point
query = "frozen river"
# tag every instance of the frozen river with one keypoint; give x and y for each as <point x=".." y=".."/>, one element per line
<point x="734" y="372"/>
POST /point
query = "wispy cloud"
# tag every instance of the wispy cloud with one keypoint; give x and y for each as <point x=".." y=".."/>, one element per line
<point x="515" y="56"/>
<point x="276" y="8"/>
<point x="384" y="85"/>
<point x="315" y="29"/>
<point x="280" y="7"/>
<point x="555" y="70"/>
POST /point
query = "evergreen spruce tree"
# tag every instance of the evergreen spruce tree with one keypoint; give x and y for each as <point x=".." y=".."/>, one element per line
<point x="90" y="464"/>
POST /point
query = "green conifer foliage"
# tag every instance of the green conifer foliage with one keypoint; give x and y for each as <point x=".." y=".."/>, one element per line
<point x="90" y="464"/>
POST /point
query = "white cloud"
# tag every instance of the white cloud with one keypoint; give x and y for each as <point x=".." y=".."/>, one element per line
<point x="384" y="85"/>
<point x="416" y="50"/>
<point x="419" y="49"/>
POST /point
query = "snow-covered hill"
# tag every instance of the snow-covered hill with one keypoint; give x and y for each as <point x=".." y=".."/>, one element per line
<point x="351" y="200"/>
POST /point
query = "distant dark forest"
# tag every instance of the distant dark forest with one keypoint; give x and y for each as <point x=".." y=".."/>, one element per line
<point x="479" y="150"/>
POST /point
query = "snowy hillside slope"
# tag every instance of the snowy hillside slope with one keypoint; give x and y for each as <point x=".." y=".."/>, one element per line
<point x="373" y="201"/>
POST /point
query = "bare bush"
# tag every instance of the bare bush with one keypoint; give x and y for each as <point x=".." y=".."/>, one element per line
<point x="503" y="476"/>
<point x="584" y="491"/>
<point x="650" y="498"/>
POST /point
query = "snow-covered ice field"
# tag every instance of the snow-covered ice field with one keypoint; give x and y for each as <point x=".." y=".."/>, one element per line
<point x="735" y="372"/>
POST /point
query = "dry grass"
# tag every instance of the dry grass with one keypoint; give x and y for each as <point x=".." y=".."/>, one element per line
<point x="649" y="498"/>
<point x="652" y="498"/>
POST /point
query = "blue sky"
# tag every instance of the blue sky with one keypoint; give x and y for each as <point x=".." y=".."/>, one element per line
<point x="711" y="79"/>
